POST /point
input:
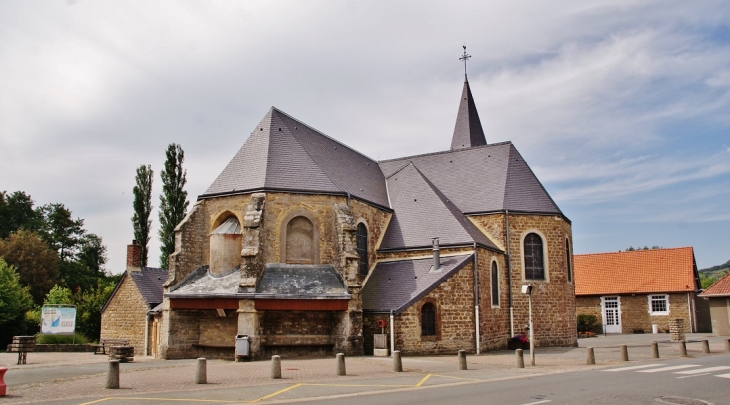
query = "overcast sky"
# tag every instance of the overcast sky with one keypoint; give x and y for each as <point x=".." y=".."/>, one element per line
<point x="622" y="108"/>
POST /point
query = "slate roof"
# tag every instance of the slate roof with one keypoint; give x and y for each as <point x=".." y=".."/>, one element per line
<point x="639" y="271"/>
<point x="285" y="154"/>
<point x="488" y="178"/>
<point x="306" y="281"/>
<point x="468" y="130"/>
<point x="397" y="285"/>
<point x="721" y="288"/>
<point x="423" y="212"/>
<point x="201" y="283"/>
<point x="148" y="280"/>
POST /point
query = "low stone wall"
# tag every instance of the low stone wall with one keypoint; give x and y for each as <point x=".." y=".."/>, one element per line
<point x="64" y="348"/>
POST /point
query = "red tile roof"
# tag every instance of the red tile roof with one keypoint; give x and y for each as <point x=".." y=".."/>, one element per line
<point x="721" y="288"/>
<point x="639" y="271"/>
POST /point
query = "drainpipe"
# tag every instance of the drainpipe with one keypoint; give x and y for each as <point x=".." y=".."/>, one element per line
<point x="476" y="297"/>
<point x="348" y="200"/>
<point x="392" y="334"/>
<point x="146" y="332"/>
<point x="509" y="276"/>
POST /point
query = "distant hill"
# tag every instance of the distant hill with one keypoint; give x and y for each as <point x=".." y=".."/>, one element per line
<point x="716" y="271"/>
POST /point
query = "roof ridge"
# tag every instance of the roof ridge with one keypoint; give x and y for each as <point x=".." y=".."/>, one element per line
<point x="446" y="151"/>
<point x="633" y="251"/>
<point x="716" y="283"/>
<point x="410" y="162"/>
<point x="512" y="150"/>
<point x="322" y="133"/>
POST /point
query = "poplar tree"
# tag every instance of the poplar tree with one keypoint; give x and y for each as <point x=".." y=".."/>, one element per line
<point x="173" y="201"/>
<point x="141" y="221"/>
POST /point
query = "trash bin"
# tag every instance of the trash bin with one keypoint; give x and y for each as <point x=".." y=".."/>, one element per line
<point x="654" y="328"/>
<point x="242" y="345"/>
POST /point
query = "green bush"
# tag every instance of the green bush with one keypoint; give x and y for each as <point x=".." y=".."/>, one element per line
<point x="77" y="338"/>
<point x="589" y="323"/>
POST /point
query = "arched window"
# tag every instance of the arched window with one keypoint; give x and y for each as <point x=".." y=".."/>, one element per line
<point x="362" y="248"/>
<point x="567" y="261"/>
<point x="495" y="285"/>
<point x="300" y="243"/>
<point x="534" y="261"/>
<point x="428" y="319"/>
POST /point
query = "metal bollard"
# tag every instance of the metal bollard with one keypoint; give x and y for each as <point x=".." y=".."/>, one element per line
<point x="112" y="375"/>
<point x="276" y="366"/>
<point x="705" y="346"/>
<point x="520" y="358"/>
<point x="397" y="364"/>
<point x="462" y="359"/>
<point x="201" y="371"/>
<point x="655" y="350"/>
<point x="683" y="348"/>
<point x="590" y="356"/>
<point x="727" y="345"/>
<point x="624" y="353"/>
<point x="341" y="364"/>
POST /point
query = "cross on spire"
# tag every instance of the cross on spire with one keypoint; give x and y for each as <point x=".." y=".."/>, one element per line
<point x="465" y="57"/>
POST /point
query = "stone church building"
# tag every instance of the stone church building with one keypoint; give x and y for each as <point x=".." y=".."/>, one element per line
<point x="309" y="247"/>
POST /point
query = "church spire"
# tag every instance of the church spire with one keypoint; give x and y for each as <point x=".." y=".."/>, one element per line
<point x="468" y="130"/>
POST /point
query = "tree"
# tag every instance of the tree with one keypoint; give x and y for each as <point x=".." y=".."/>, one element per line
<point x="36" y="263"/>
<point x="92" y="255"/>
<point x="62" y="232"/>
<point x="142" y="204"/>
<point x="15" y="300"/>
<point x="173" y="201"/>
<point x="16" y="211"/>
<point x="59" y="295"/>
<point x="88" y="307"/>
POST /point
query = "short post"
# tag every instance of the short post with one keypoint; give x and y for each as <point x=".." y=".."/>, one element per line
<point x="112" y="375"/>
<point x="590" y="356"/>
<point x="397" y="364"/>
<point x="624" y="353"/>
<point x="520" y="358"/>
<point x="462" y="359"/>
<point x="683" y="348"/>
<point x="276" y="366"/>
<point x="341" y="364"/>
<point x="705" y="346"/>
<point x="201" y="371"/>
<point x="655" y="350"/>
<point x="727" y="345"/>
<point x="3" y="386"/>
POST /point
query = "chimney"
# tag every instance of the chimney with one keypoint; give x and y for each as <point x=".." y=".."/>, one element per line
<point x="134" y="257"/>
<point x="436" y="254"/>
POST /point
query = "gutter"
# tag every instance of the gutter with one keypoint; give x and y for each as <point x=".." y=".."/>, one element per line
<point x="476" y="298"/>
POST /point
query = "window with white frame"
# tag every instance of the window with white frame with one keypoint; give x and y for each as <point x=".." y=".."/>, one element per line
<point x="658" y="305"/>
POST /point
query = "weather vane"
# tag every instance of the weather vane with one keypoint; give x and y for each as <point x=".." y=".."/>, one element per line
<point x="465" y="57"/>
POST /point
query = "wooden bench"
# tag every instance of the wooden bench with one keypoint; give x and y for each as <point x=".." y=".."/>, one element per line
<point x="22" y="345"/>
<point x="106" y="343"/>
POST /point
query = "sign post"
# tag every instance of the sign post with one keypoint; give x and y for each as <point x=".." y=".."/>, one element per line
<point x="58" y="320"/>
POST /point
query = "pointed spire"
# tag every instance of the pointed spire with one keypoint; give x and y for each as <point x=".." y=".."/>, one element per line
<point x="468" y="130"/>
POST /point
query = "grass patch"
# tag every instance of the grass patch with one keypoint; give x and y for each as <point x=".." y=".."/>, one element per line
<point x="77" y="338"/>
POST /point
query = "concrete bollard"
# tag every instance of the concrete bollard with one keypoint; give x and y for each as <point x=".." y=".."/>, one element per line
<point x="624" y="353"/>
<point x="341" y="364"/>
<point x="3" y="386"/>
<point x="201" y="371"/>
<point x="590" y="356"/>
<point x="655" y="350"/>
<point x="727" y="345"/>
<point x="683" y="348"/>
<point x="705" y="346"/>
<point x="520" y="358"/>
<point x="112" y="375"/>
<point x="462" y="359"/>
<point x="397" y="364"/>
<point x="276" y="366"/>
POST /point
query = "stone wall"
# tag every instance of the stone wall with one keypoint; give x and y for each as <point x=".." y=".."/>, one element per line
<point x="125" y="316"/>
<point x="180" y="331"/>
<point x="494" y="326"/>
<point x="635" y="312"/>
<point x="191" y="245"/>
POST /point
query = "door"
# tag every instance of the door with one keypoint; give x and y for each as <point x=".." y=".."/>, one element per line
<point x="611" y="314"/>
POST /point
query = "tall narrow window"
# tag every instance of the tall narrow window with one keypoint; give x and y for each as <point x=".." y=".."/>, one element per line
<point x="428" y="320"/>
<point x="362" y="248"/>
<point x="495" y="285"/>
<point x="534" y="262"/>
<point x="567" y="261"/>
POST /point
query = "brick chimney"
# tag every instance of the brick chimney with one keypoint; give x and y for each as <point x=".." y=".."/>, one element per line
<point x="134" y="257"/>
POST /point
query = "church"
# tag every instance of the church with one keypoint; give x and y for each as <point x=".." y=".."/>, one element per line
<point x="306" y="247"/>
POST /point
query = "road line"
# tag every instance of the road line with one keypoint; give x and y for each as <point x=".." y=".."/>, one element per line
<point x="97" y="401"/>
<point x="723" y="375"/>
<point x="423" y="380"/>
<point x="456" y="378"/>
<point x="634" y="367"/>
<point x="670" y="368"/>
<point x="218" y="401"/>
<point x="276" y="393"/>
<point x="703" y="370"/>
<point x="544" y="401"/>
<point x="357" y="385"/>
<point x="694" y="375"/>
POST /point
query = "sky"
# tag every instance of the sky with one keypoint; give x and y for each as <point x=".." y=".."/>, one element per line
<point x="621" y="108"/>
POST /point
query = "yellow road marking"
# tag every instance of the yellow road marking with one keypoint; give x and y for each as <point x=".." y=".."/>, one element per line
<point x="276" y="393"/>
<point x="423" y="380"/>
<point x="357" y="385"/>
<point x="456" y="378"/>
<point x="98" y="400"/>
